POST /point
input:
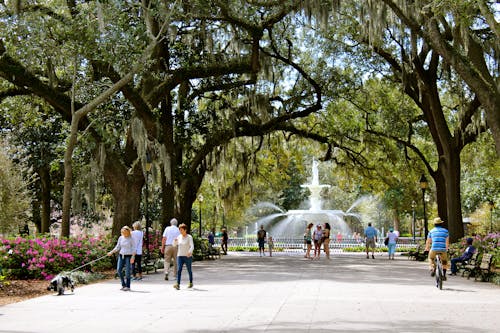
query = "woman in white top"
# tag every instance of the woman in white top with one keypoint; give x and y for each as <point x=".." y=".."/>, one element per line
<point x="185" y="249"/>
<point x="137" y="236"/>
<point x="391" y="246"/>
<point x="126" y="248"/>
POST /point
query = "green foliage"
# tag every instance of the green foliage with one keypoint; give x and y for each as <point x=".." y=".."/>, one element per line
<point x="14" y="199"/>
<point x="293" y="194"/>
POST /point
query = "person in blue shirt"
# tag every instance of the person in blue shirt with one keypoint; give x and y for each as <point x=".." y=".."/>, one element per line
<point x="438" y="241"/>
<point x="469" y="251"/>
<point x="371" y="240"/>
<point x="211" y="237"/>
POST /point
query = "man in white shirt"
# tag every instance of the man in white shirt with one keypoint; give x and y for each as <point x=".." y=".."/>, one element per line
<point x="167" y="247"/>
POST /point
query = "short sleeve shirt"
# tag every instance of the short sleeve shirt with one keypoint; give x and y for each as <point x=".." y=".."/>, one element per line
<point x="170" y="233"/>
<point x="438" y="236"/>
<point x="370" y="232"/>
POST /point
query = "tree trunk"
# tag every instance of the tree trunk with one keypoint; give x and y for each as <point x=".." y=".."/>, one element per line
<point x="126" y="190"/>
<point x="168" y="173"/>
<point x="440" y="181"/>
<point x="451" y="173"/>
<point x="45" y="188"/>
<point x="68" y="176"/>
<point x="186" y="198"/>
<point x="127" y="200"/>
<point x="184" y="212"/>
<point x="35" y="213"/>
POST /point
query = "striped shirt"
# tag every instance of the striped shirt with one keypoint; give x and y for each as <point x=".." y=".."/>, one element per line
<point x="438" y="235"/>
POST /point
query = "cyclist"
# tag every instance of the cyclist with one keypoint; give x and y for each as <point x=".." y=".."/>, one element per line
<point x="438" y="242"/>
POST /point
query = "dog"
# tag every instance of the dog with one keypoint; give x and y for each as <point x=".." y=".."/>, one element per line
<point x="60" y="282"/>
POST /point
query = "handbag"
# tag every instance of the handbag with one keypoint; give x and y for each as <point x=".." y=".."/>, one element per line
<point x="386" y="241"/>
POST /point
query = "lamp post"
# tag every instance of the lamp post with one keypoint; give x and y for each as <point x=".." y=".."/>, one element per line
<point x="200" y="200"/>
<point x="147" y="169"/>
<point x="413" y="205"/>
<point x="491" y="204"/>
<point x="423" y="185"/>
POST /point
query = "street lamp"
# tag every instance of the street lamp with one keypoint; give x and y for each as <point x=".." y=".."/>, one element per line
<point x="147" y="168"/>
<point x="491" y="204"/>
<point x="200" y="200"/>
<point x="423" y="185"/>
<point x="413" y="206"/>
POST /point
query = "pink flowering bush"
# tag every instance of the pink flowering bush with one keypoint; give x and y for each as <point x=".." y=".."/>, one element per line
<point x="43" y="258"/>
<point x="155" y="237"/>
<point x="488" y="243"/>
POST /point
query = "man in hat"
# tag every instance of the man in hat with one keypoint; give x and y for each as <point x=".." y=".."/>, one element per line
<point x="438" y="242"/>
<point x="469" y="251"/>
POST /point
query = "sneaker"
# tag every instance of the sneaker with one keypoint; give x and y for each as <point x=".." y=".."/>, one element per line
<point x="190" y="285"/>
<point x="176" y="286"/>
<point x="126" y="289"/>
<point x="122" y="288"/>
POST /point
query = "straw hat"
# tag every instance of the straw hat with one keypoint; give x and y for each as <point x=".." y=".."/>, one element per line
<point x="437" y="220"/>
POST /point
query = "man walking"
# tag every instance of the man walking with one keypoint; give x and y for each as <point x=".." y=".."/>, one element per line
<point x="261" y="239"/>
<point x="167" y="247"/>
<point x="371" y="240"/>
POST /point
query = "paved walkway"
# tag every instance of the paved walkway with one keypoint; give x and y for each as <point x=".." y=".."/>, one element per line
<point x="285" y="293"/>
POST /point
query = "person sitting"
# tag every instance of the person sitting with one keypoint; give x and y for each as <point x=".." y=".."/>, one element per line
<point x="469" y="251"/>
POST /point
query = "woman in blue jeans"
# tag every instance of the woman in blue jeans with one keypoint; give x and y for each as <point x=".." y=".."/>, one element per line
<point x="391" y="246"/>
<point x="185" y="249"/>
<point x="126" y="249"/>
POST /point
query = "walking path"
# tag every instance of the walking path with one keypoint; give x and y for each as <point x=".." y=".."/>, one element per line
<point x="243" y="292"/>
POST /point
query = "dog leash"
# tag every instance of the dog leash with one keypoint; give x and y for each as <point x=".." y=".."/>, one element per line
<point x="90" y="262"/>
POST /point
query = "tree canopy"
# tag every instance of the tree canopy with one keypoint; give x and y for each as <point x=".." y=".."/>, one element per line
<point x="212" y="92"/>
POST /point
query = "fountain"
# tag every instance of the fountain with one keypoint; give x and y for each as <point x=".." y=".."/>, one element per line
<point x="292" y="223"/>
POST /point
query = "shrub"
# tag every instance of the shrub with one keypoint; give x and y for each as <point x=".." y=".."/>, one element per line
<point x="43" y="258"/>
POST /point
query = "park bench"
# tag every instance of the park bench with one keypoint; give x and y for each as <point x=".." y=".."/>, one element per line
<point x="469" y="265"/>
<point x="484" y="268"/>
<point x="150" y="263"/>
<point x="208" y="251"/>
<point x="214" y="251"/>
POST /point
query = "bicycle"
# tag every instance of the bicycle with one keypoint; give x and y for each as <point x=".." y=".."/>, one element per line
<point x="438" y="269"/>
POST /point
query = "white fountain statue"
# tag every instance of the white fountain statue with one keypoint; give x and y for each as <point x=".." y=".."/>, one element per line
<point x="315" y="188"/>
<point x="292" y="224"/>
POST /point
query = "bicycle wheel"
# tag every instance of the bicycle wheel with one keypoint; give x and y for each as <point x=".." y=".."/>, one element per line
<point x="439" y="273"/>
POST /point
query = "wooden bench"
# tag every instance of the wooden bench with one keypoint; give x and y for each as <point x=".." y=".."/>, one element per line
<point x="484" y="268"/>
<point x="150" y="264"/>
<point x="214" y="251"/>
<point x="468" y="266"/>
<point x="209" y="252"/>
